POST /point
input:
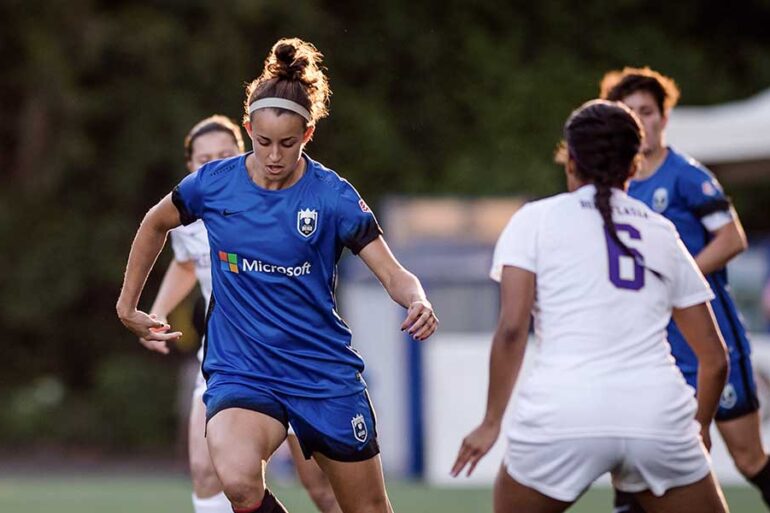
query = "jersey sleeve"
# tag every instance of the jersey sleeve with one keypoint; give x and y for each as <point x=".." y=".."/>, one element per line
<point x="181" y="251"/>
<point x="704" y="196"/>
<point x="517" y="245"/>
<point x="356" y="224"/>
<point x="187" y="198"/>
<point x="689" y="286"/>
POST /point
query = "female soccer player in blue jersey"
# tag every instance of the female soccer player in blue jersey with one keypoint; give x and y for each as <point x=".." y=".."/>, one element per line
<point x="215" y="137"/>
<point x="685" y="192"/>
<point x="276" y="350"/>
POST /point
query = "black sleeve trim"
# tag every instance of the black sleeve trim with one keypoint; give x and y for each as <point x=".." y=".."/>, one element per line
<point x="364" y="236"/>
<point x="717" y="205"/>
<point x="184" y="215"/>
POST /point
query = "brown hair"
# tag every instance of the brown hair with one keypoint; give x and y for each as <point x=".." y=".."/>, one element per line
<point x="215" y="123"/>
<point x="293" y="72"/>
<point x="603" y="139"/>
<point x="617" y="85"/>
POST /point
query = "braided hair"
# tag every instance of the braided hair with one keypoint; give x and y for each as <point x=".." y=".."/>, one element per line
<point x="603" y="139"/>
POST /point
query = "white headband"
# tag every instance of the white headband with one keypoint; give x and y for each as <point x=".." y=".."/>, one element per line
<point x="280" y="103"/>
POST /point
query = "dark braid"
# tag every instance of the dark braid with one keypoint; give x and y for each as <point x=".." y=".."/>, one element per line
<point x="603" y="139"/>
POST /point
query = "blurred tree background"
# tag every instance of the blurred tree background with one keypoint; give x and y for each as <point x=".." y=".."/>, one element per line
<point x="430" y="98"/>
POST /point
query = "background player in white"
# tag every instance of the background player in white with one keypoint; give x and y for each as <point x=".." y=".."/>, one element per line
<point x="686" y="193"/>
<point x="213" y="138"/>
<point x="604" y="394"/>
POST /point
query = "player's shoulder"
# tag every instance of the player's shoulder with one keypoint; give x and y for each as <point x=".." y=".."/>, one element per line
<point x="541" y="206"/>
<point x="325" y="177"/>
<point x="689" y="168"/>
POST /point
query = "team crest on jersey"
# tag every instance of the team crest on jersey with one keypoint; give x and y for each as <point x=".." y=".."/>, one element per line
<point x="307" y="222"/>
<point x="729" y="397"/>
<point x="660" y="199"/>
<point x="359" y="428"/>
<point x="708" y="189"/>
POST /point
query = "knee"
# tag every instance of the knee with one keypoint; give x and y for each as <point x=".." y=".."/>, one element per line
<point x="379" y="504"/>
<point x="204" y="479"/>
<point x="749" y="463"/>
<point x="241" y="489"/>
<point x="323" y="497"/>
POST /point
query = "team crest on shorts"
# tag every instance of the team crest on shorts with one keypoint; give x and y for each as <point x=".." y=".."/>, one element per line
<point x="660" y="199"/>
<point x="359" y="428"/>
<point x="729" y="397"/>
<point x="307" y="221"/>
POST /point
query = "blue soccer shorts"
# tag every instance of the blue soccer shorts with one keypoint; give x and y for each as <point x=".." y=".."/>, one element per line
<point x="739" y="397"/>
<point x="341" y="428"/>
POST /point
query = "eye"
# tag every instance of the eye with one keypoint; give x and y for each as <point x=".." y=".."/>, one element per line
<point x="263" y="142"/>
<point x="289" y="143"/>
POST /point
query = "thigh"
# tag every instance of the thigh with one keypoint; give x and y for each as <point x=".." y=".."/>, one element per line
<point x="511" y="496"/>
<point x="744" y="442"/>
<point x="310" y="474"/>
<point x="358" y="485"/>
<point x="241" y="441"/>
<point x="196" y="434"/>
<point x="704" y="496"/>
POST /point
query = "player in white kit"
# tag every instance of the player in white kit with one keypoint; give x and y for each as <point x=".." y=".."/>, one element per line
<point x="213" y="138"/>
<point x="602" y="274"/>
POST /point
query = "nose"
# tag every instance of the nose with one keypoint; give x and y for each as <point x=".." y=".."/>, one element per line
<point x="275" y="154"/>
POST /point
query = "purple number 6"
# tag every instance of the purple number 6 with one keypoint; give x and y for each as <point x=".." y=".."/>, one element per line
<point x="615" y="253"/>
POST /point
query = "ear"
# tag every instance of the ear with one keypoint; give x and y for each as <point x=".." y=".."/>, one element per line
<point x="190" y="166"/>
<point x="308" y="134"/>
<point x="570" y="167"/>
<point x="247" y="126"/>
<point x="664" y="120"/>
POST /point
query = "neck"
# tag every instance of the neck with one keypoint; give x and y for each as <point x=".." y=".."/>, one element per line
<point x="260" y="178"/>
<point x="652" y="162"/>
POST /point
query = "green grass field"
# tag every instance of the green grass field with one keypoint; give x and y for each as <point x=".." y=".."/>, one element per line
<point x="163" y="494"/>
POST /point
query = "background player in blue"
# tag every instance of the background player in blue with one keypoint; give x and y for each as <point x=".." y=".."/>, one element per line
<point x="276" y="349"/>
<point x="685" y="192"/>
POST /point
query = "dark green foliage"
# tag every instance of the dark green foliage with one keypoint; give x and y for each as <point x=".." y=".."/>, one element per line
<point x="434" y="98"/>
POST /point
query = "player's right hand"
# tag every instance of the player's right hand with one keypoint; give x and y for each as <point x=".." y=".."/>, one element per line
<point x="152" y="332"/>
<point x="474" y="447"/>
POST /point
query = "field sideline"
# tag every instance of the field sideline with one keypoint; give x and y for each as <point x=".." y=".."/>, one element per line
<point x="164" y="494"/>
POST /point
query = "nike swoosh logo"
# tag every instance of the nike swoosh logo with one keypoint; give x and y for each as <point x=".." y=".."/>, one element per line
<point x="228" y="213"/>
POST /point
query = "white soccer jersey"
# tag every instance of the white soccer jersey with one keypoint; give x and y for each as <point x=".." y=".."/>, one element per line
<point x="602" y="366"/>
<point x="191" y="244"/>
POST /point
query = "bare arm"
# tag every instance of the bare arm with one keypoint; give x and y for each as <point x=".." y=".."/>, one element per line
<point x="403" y="287"/>
<point x="145" y="249"/>
<point x="517" y="295"/>
<point x="699" y="328"/>
<point x="728" y="241"/>
<point x="177" y="283"/>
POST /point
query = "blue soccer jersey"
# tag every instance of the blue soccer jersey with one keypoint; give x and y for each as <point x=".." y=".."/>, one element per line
<point x="273" y="320"/>
<point x="688" y="194"/>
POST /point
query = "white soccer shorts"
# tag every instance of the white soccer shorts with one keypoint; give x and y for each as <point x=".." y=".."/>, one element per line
<point x="564" y="469"/>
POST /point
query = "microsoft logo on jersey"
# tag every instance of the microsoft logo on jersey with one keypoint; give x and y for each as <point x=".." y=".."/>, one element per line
<point x="228" y="262"/>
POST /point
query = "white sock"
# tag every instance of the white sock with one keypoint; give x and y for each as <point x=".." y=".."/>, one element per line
<point x="216" y="504"/>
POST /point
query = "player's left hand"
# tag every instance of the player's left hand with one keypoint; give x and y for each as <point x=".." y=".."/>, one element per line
<point x="421" y="322"/>
<point x="474" y="447"/>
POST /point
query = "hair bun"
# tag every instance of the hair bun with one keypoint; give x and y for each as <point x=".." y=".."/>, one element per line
<point x="287" y="62"/>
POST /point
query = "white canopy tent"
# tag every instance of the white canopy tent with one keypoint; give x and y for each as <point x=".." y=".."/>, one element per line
<point x="722" y="134"/>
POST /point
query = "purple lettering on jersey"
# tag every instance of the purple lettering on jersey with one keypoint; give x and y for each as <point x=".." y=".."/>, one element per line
<point x="615" y="253"/>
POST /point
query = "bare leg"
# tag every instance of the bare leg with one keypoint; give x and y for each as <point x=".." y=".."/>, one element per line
<point x="204" y="478"/>
<point x="313" y="479"/>
<point x="359" y="486"/>
<point x="744" y="443"/>
<point x="240" y="443"/>
<point x="513" y="497"/>
<point x="704" y="496"/>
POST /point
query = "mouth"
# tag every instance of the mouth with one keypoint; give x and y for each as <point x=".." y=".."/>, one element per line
<point x="273" y="169"/>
